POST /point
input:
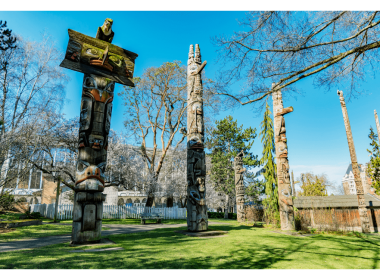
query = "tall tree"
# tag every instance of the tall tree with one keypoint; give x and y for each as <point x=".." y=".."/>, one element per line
<point x="313" y="185"/>
<point x="374" y="164"/>
<point x="32" y="89"/>
<point x="286" y="47"/>
<point x="156" y="111"/>
<point x="7" y="40"/>
<point x="225" y="142"/>
<point x="269" y="168"/>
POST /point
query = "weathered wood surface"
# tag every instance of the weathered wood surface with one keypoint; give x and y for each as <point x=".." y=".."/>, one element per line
<point x="197" y="219"/>
<point x="93" y="56"/>
<point x="355" y="167"/>
<point x="283" y="177"/>
<point x="336" y="201"/>
<point x="377" y="125"/>
<point x="239" y="186"/>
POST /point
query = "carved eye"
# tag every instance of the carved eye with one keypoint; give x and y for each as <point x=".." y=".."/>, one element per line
<point x="89" y="82"/>
<point x="91" y="52"/>
<point x="110" y="87"/>
<point x="80" y="166"/>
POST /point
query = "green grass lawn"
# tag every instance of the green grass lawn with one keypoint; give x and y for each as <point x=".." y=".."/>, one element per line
<point x="243" y="247"/>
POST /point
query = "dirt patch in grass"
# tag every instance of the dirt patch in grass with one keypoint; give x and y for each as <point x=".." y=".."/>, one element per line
<point x="6" y="230"/>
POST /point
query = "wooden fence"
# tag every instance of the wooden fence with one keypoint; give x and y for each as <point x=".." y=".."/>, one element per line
<point x="65" y="211"/>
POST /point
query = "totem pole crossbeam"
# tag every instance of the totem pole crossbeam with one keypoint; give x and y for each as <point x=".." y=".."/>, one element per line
<point x="94" y="56"/>
<point x="103" y="64"/>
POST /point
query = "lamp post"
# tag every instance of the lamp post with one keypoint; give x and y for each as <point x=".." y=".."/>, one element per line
<point x="57" y="195"/>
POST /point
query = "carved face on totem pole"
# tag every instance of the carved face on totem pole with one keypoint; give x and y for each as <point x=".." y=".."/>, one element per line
<point x="95" y="120"/>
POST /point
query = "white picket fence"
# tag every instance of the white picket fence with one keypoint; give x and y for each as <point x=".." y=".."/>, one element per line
<point x="65" y="211"/>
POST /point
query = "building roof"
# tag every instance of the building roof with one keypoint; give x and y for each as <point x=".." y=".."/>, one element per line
<point x="334" y="201"/>
<point x="349" y="169"/>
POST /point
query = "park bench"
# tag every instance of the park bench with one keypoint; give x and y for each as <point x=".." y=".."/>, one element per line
<point x="150" y="216"/>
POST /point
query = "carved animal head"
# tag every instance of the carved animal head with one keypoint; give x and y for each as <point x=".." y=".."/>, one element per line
<point x="107" y="26"/>
<point x="94" y="174"/>
<point x="100" y="89"/>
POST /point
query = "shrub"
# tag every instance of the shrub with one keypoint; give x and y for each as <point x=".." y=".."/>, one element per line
<point x="220" y="215"/>
<point x="6" y="202"/>
<point x="21" y="199"/>
<point x="34" y="215"/>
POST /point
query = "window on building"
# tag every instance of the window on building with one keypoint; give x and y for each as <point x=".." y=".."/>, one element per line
<point x="35" y="180"/>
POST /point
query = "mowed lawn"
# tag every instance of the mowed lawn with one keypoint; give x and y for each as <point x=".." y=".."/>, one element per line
<point x="244" y="247"/>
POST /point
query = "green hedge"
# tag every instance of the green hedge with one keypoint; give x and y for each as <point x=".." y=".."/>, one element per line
<point x="220" y="215"/>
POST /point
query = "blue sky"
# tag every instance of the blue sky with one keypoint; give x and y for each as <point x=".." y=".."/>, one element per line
<point x="315" y="130"/>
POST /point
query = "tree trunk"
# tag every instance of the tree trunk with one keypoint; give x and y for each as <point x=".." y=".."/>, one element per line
<point x="227" y="206"/>
<point x="150" y="200"/>
<point x="355" y="168"/>
<point x="169" y="202"/>
<point x="285" y="200"/>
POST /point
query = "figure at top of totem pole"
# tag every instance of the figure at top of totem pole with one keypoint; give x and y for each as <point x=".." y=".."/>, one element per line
<point x="105" y="32"/>
<point x="196" y="167"/>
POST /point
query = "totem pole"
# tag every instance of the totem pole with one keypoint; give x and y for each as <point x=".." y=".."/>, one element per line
<point x="103" y="64"/>
<point x="239" y="186"/>
<point x="355" y="167"/>
<point x="377" y="126"/>
<point x="197" y="219"/>
<point x="285" y="200"/>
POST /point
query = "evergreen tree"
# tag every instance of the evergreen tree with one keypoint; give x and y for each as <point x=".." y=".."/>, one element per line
<point x="374" y="164"/>
<point x="225" y="142"/>
<point x="269" y="169"/>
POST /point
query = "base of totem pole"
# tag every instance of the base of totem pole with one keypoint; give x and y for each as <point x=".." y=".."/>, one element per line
<point x="103" y="241"/>
<point x="206" y="233"/>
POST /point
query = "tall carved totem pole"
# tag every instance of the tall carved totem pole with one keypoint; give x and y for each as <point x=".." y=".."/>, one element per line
<point x="197" y="219"/>
<point x="284" y="189"/>
<point x="103" y="64"/>
<point x="239" y="186"/>
<point x="355" y="167"/>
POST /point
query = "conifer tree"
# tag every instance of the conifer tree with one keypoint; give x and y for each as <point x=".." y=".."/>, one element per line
<point x="374" y="164"/>
<point x="269" y="168"/>
<point x="225" y="142"/>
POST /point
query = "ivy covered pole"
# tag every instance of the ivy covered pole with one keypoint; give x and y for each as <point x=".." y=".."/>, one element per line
<point x="355" y="167"/>
<point x="283" y="178"/>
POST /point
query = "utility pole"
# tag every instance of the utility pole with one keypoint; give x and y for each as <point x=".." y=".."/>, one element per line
<point x="293" y="187"/>
<point x="355" y="167"/>
<point x="377" y="125"/>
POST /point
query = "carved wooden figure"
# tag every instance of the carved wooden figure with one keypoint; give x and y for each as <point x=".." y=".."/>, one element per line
<point x="103" y="64"/>
<point x="355" y="168"/>
<point x="197" y="219"/>
<point x="239" y="186"/>
<point x="377" y="125"/>
<point x="283" y="177"/>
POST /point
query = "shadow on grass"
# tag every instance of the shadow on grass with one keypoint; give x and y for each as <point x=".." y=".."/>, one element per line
<point x="243" y="247"/>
